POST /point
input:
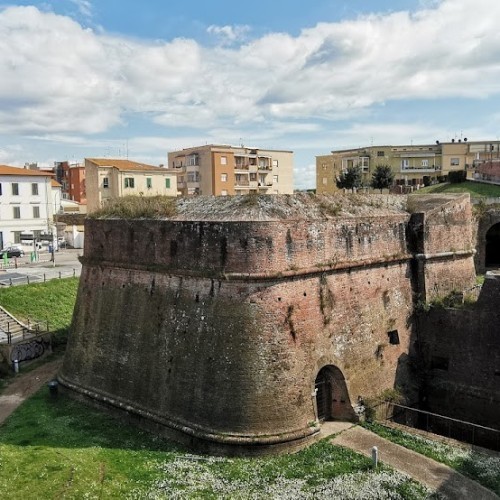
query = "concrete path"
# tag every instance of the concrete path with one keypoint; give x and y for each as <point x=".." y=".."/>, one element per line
<point x="25" y="385"/>
<point x="441" y="478"/>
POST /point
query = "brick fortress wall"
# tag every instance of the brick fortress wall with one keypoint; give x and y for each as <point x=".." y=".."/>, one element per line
<point x="216" y="330"/>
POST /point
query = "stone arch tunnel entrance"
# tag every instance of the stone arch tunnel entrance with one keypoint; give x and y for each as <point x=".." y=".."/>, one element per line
<point x="332" y="398"/>
<point x="492" y="251"/>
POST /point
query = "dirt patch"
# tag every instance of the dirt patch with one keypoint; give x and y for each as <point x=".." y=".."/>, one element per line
<point x="25" y="385"/>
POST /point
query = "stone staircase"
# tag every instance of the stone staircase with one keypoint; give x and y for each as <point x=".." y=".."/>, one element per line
<point x="12" y="330"/>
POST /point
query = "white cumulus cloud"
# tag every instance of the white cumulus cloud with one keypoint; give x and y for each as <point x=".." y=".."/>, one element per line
<point x="59" y="77"/>
<point x="229" y="34"/>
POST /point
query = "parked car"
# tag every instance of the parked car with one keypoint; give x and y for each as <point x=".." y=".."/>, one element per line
<point x="12" y="252"/>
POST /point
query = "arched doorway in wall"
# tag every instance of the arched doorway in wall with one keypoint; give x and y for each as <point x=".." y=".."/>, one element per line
<point x="332" y="398"/>
<point x="492" y="250"/>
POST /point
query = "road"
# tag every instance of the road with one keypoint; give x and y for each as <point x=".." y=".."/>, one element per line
<point x="66" y="264"/>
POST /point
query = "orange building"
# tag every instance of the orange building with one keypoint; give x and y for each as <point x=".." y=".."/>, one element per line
<point x="71" y="176"/>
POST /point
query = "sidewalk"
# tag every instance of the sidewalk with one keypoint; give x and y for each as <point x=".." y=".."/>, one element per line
<point x="441" y="478"/>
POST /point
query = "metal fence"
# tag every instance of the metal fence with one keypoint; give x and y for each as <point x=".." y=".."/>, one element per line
<point x="453" y="428"/>
<point x="23" y="278"/>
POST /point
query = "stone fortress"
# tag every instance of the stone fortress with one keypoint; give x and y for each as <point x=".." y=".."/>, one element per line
<point x="240" y="323"/>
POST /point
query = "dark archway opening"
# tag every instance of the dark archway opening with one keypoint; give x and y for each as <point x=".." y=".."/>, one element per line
<point x="492" y="250"/>
<point x="332" y="398"/>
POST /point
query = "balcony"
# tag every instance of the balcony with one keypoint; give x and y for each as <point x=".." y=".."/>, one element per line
<point x="241" y="182"/>
<point x="242" y="166"/>
<point x="421" y="170"/>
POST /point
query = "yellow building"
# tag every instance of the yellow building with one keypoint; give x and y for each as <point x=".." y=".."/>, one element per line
<point x="409" y="163"/>
<point x="227" y="170"/>
<point x="106" y="179"/>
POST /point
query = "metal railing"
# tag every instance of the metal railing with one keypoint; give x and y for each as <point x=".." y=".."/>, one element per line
<point x="461" y="430"/>
<point x="42" y="277"/>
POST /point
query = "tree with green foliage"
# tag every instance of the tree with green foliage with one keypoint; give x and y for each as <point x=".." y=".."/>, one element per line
<point x="383" y="177"/>
<point x="350" y="178"/>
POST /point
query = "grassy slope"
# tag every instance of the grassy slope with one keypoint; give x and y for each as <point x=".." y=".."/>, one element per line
<point x="476" y="189"/>
<point x="52" y="301"/>
<point x="480" y="467"/>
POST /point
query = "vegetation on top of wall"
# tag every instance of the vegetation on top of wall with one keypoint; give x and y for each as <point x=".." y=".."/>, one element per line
<point x="329" y="207"/>
<point x="137" y="207"/>
<point x="453" y="300"/>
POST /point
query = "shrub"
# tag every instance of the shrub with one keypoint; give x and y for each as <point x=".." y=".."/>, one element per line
<point x="457" y="176"/>
<point x="137" y="207"/>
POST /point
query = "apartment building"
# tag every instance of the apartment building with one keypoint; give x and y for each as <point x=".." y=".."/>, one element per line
<point x="107" y="179"/>
<point x="409" y="163"/>
<point x="71" y="176"/>
<point x="26" y="204"/>
<point x="222" y="170"/>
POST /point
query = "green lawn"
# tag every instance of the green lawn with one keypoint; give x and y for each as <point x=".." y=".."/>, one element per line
<point x="63" y="449"/>
<point x="51" y="302"/>
<point x="476" y="189"/>
<point x="481" y="467"/>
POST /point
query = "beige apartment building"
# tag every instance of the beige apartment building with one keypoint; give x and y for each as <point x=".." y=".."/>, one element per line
<point x="409" y="163"/>
<point x="227" y="170"/>
<point x="106" y="179"/>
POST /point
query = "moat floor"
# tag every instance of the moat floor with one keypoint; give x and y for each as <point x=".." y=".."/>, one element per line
<point x="449" y="483"/>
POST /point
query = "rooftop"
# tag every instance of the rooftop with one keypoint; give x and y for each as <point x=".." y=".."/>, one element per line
<point x="7" y="170"/>
<point x="124" y="165"/>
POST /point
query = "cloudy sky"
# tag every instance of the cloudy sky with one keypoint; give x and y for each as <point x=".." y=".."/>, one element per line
<point x="89" y="78"/>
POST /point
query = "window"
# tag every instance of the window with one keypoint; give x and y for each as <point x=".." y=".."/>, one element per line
<point x="275" y="163"/>
<point x="223" y="177"/>
<point x="17" y="236"/>
<point x="0" y="189"/>
<point x="223" y="160"/>
<point x="37" y="234"/>
<point x="324" y="166"/>
<point x="129" y="182"/>
<point x="275" y="179"/>
<point x="455" y="161"/>
<point x="405" y="163"/>
<point x="34" y="189"/>
<point x="149" y="182"/>
<point x="380" y="153"/>
<point x="223" y="192"/>
<point x="105" y="182"/>
<point x="192" y="160"/>
<point x="15" y="189"/>
<point x="36" y="212"/>
<point x="425" y="163"/>
<point x="167" y="182"/>
<point x="325" y="181"/>
<point x="17" y="212"/>
<point x="393" y="337"/>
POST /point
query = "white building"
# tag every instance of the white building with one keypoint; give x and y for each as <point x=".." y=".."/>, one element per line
<point x="26" y="204"/>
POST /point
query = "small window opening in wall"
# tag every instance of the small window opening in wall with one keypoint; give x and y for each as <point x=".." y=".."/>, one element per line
<point x="497" y="373"/>
<point x="393" y="337"/>
<point x="439" y="363"/>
